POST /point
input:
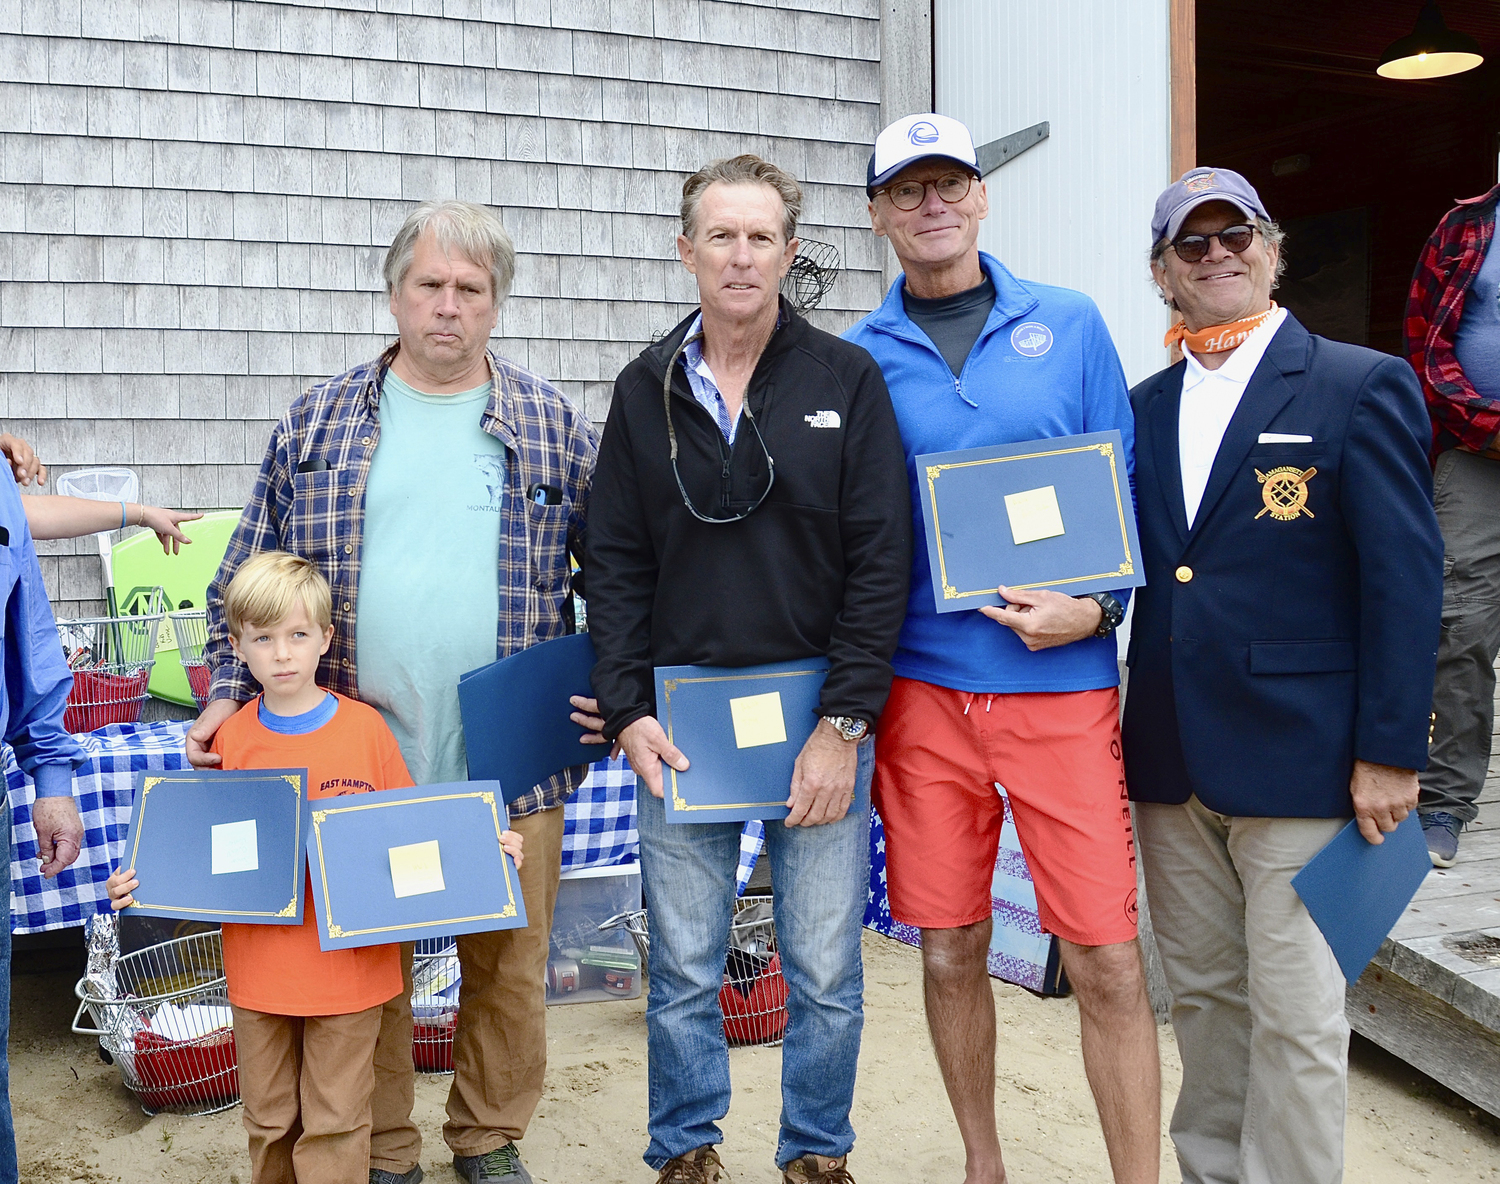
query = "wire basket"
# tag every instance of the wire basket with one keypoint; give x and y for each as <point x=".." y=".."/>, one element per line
<point x="111" y="660"/>
<point x="753" y="997"/>
<point x="434" y="1004"/>
<point x="190" y="628"/>
<point x="163" y="1017"/>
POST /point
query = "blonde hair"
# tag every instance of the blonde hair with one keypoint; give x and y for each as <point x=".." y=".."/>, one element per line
<point x="746" y="169"/>
<point x="268" y="586"/>
<point x="473" y="230"/>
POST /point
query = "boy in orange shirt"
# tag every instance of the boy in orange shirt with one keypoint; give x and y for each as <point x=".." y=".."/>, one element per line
<point x="305" y="1019"/>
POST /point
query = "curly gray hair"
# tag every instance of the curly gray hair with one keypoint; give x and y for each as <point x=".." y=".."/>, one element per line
<point x="474" y="231"/>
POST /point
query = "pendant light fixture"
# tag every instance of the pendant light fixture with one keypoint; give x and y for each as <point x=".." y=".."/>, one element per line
<point x="1433" y="50"/>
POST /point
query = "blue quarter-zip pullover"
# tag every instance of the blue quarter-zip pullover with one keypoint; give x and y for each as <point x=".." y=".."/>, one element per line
<point x="1043" y="366"/>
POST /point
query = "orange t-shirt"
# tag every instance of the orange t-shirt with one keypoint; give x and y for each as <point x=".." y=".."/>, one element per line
<point x="281" y="969"/>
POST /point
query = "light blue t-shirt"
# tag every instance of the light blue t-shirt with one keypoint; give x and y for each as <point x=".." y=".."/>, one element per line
<point x="429" y="602"/>
<point x="1476" y="345"/>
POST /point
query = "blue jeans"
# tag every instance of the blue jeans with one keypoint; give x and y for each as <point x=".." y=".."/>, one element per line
<point x="9" y="1173"/>
<point x="821" y="877"/>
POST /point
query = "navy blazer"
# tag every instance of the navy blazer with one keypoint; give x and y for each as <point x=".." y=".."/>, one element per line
<point x="1295" y="627"/>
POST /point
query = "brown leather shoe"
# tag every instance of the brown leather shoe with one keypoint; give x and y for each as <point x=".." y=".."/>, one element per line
<point x="817" y="1169"/>
<point x="701" y="1166"/>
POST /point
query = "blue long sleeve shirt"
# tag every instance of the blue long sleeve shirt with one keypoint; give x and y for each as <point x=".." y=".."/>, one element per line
<point x="1044" y="366"/>
<point x="35" y="688"/>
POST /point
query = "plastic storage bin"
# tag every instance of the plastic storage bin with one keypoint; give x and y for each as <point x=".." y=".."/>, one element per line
<point x="586" y="965"/>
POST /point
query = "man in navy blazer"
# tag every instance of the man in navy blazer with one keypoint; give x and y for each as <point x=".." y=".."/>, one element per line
<point x="1281" y="670"/>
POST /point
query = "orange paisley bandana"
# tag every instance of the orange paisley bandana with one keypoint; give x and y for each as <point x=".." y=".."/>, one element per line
<point x="1217" y="338"/>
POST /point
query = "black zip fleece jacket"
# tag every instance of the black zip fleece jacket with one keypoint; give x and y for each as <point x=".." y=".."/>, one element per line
<point x="820" y="568"/>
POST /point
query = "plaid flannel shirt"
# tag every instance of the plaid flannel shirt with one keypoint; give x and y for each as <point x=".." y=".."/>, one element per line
<point x="319" y="514"/>
<point x="1461" y="416"/>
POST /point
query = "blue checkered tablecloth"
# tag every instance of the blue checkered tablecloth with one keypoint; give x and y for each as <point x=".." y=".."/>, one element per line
<point x="599" y="831"/>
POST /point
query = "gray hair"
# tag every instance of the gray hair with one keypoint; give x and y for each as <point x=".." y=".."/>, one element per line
<point x="474" y="230"/>
<point x="746" y="169"/>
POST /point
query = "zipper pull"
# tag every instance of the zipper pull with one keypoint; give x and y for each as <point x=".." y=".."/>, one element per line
<point x="958" y="389"/>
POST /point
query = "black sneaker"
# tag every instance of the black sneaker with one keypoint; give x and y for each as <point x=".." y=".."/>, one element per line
<point x="501" y="1166"/>
<point x="1441" y="831"/>
<point x="381" y="1176"/>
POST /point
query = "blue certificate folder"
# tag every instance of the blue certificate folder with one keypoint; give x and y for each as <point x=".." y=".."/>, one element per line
<point x="1051" y="514"/>
<point x="216" y="845"/>
<point x="407" y="864"/>
<point x="741" y="730"/>
<point x="515" y="713"/>
<point x="1356" y="891"/>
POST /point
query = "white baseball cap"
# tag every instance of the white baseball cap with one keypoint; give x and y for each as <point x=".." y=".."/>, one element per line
<point x="916" y="137"/>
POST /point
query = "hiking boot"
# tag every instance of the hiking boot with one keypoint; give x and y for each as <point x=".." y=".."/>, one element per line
<point x="501" y="1166"/>
<point x="381" y="1176"/>
<point x="1441" y="831"/>
<point x="817" y="1169"/>
<point x="701" y="1166"/>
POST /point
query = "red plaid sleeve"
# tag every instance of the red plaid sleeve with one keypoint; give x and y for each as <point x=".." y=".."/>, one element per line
<point x="1451" y="258"/>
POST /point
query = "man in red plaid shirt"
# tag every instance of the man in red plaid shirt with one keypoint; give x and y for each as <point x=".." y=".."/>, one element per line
<point x="1453" y="341"/>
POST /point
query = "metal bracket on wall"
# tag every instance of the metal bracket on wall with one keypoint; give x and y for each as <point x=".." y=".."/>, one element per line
<point x="1004" y="150"/>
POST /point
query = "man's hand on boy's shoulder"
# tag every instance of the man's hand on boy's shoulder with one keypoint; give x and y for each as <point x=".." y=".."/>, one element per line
<point x="201" y="735"/>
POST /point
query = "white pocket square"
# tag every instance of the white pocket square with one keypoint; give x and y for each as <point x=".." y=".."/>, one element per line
<point x="1282" y="438"/>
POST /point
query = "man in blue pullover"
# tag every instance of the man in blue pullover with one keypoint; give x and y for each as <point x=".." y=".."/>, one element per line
<point x="1025" y="696"/>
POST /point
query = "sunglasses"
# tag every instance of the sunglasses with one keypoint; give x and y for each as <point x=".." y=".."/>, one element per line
<point x="730" y="515"/>
<point x="1191" y="248"/>
<point x="909" y="195"/>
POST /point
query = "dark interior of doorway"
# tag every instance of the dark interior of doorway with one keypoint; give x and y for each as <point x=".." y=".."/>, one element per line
<point x="1356" y="167"/>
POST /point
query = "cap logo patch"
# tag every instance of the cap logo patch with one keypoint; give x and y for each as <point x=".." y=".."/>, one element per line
<point x="922" y="133"/>
<point x="1201" y="183"/>
<point x="1031" y="339"/>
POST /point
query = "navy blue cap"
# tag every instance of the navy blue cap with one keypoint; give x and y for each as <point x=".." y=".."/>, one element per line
<point x="1197" y="187"/>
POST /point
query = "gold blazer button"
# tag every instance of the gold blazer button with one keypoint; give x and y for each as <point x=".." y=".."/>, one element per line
<point x="1184" y="574"/>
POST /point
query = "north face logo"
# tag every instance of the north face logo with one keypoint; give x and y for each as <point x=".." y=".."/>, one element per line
<point x="824" y="419"/>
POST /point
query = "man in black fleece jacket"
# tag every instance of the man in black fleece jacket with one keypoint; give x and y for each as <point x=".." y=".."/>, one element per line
<point x="807" y="556"/>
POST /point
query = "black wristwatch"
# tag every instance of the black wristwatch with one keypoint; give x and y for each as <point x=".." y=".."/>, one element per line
<point x="1113" y="612"/>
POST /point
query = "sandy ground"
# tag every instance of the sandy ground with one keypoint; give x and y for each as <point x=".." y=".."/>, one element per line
<point x="76" y="1122"/>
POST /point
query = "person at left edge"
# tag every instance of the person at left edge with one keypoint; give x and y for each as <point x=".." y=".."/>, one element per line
<point x="770" y="563"/>
<point x="33" y="694"/>
<point x="406" y="481"/>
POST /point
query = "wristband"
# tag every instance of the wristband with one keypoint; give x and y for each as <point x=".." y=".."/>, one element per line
<point x="122" y="515"/>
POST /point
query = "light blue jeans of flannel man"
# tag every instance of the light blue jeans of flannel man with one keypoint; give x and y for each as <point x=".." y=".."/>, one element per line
<point x="820" y="876"/>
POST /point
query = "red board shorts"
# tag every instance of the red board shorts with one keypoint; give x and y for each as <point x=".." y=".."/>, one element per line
<point x="939" y="754"/>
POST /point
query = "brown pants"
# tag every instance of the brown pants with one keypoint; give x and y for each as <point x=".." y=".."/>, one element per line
<point x="306" y="1083"/>
<point x="500" y="1045"/>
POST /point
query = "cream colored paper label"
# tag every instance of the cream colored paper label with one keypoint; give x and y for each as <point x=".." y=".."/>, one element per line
<point x="417" y="868"/>
<point x="233" y="847"/>
<point x="758" y="720"/>
<point x="1034" y="515"/>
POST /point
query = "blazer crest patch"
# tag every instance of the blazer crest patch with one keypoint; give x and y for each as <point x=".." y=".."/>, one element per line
<point x="1284" y="492"/>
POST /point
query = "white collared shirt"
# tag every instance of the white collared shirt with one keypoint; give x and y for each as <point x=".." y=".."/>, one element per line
<point x="1209" y="399"/>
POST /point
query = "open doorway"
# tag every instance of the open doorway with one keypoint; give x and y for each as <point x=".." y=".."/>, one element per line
<point x="1356" y="167"/>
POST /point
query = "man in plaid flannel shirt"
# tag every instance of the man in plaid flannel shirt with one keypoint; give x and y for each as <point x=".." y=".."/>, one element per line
<point x="440" y="489"/>
<point x="1453" y="341"/>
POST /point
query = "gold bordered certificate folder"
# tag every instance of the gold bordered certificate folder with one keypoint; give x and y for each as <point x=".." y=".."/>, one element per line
<point x="741" y="729"/>
<point x="408" y="864"/>
<point x="215" y="845"/>
<point x="1053" y="514"/>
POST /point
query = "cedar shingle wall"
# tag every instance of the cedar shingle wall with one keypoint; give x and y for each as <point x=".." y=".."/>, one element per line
<point x="195" y="197"/>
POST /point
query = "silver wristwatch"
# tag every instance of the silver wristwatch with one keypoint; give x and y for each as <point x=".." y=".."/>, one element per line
<point x="848" y="727"/>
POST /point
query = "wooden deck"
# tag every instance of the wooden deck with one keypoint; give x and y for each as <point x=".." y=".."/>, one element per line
<point x="1432" y="995"/>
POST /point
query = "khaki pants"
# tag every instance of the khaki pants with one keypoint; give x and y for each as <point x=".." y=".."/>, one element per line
<point x="306" y="1082"/>
<point x="1257" y="997"/>
<point x="500" y="1046"/>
